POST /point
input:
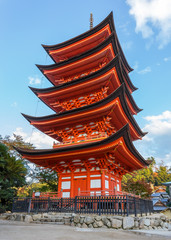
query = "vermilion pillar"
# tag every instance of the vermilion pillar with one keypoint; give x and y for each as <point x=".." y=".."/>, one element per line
<point x="103" y="181"/>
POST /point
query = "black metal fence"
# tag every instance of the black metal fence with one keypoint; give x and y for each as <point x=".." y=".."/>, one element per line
<point x="116" y="205"/>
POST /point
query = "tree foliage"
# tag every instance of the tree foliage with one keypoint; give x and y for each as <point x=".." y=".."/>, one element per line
<point x="148" y="178"/>
<point x="12" y="176"/>
<point x="162" y="175"/>
<point x="46" y="178"/>
<point x="139" y="187"/>
<point x="15" y="141"/>
<point x="27" y="190"/>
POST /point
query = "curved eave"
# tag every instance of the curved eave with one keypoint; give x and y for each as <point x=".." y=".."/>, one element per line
<point x="101" y="71"/>
<point x="107" y="20"/>
<point x="116" y="62"/>
<point x="95" y="50"/>
<point x="122" y="133"/>
<point x="102" y="45"/>
<point x="120" y="92"/>
<point x="129" y="69"/>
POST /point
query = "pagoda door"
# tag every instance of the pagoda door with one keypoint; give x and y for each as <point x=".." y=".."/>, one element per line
<point x="79" y="185"/>
<point x="113" y="187"/>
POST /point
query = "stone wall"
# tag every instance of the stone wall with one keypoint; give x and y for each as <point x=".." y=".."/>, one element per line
<point x="93" y="221"/>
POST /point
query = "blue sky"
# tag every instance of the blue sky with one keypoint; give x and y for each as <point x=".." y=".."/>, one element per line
<point x="144" y="31"/>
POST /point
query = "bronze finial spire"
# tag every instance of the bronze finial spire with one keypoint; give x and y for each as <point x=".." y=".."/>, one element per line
<point x="91" y="20"/>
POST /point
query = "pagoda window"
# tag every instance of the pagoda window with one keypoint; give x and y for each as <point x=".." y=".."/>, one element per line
<point x="76" y="160"/>
<point x="66" y="194"/>
<point x="66" y="185"/>
<point x="106" y="184"/>
<point x="95" y="183"/>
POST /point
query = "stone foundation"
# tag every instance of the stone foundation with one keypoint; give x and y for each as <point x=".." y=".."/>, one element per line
<point x="93" y="221"/>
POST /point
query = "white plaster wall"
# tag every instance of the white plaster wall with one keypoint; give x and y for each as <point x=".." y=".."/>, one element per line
<point x="66" y="185"/>
<point x="95" y="183"/>
<point x="65" y="194"/>
<point x="106" y="184"/>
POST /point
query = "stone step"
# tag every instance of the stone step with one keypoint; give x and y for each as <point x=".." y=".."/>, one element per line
<point x="52" y="223"/>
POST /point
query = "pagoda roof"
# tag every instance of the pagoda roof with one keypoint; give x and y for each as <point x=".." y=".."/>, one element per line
<point x="93" y="79"/>
<point x="107" y="21"/>
<point x="86" y="59"/>
<point x="79" y="114"/>
<point x="120" y="142"/>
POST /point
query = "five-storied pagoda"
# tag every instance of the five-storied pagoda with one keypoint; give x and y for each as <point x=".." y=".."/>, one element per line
<point x="93" y="121"/>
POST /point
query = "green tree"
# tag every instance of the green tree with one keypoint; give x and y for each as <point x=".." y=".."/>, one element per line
<point x="138" y="187"/>
<point x="12" y="176"/>
<point x="154" y="175"/>
<point x="162" y="175"/>
<point x="46" y="176"/>
<point x="15" y="141"/>
<point x="145" y="173"/>
<point x="34" y="173"/>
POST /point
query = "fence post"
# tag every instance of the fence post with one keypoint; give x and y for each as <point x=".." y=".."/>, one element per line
<point x="135" y="207"/>
<point x="61" y="203"/>
<point x="29" y="205"/>
<point x="13" y="204"/>
<point x="127" y="209"/>
<point x="100" y="204"/>
<point x="145" y="204"/>
<point x="141" y="205"/>
<point x="48" y="204"/>
<point x="75" y="207"/>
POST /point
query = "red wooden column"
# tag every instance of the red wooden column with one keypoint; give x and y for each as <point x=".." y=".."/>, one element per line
<point x="110" y="184"/>
<point x="59" y="185"/>
<point x="72" y="185"/>
<point x="88" y="183"/>
<point x="103" y="182"/>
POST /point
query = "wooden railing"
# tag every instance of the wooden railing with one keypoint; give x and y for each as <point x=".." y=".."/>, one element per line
<point x="115" y="204"/>
<point x="84" y="193"/>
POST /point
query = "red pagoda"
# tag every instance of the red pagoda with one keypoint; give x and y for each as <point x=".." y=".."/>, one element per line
<point x="93" y="121"/>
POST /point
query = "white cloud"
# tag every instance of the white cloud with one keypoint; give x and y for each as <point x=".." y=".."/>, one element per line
<point x="135" y="66"/>
<point x="38" y="139"/>
<point x="19" y="131"/>
<point x="145" y="70"/>
<point x="34" y="80"/>
<point x="125" y="28"/>
<point x="127" y="45"/>
<point x="152" y="15"/>
<point x="167" y="59"/>
<point x="160" y="124"/>
<point x="14" y="104"/>
<point x="166" y="159"/>
<point x="158" y="141"/>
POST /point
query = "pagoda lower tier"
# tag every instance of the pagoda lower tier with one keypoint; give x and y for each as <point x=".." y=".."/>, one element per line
<point x="90" y="167"/>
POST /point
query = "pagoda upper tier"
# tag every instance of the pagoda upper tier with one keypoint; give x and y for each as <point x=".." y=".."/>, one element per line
<point x="86" y="41"/>
<point x="89" y="89"/>
<point x="98" y="120"/>
<point x="115" y="153"/>
<point x="82" y="65"/>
